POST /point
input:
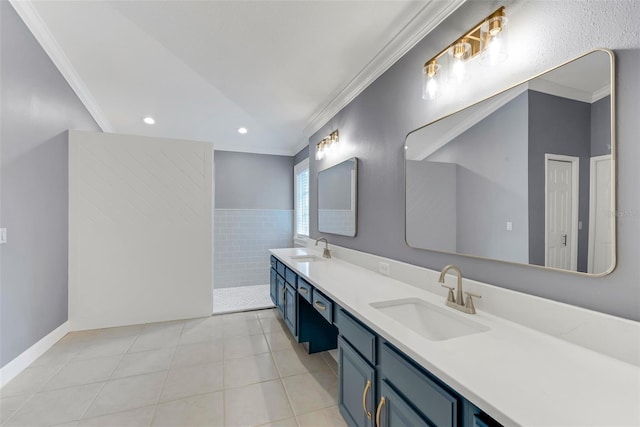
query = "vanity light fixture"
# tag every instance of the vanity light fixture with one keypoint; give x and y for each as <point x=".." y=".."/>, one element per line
<point x="488" y="40"/>
<point x="327" y="144"/>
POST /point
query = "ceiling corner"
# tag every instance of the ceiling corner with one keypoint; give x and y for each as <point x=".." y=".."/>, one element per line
<point x="34" y="22"/>
<point x="429" y="17"/>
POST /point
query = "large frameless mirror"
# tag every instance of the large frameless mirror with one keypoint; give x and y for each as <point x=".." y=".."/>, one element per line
<point x="526" y="176"/>
<point x="338" y="198"/>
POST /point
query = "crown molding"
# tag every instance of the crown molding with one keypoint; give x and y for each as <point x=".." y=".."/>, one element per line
<point x="34" y="22"/>
<point x="430" y="16"/>
<point x="253" y="149"/>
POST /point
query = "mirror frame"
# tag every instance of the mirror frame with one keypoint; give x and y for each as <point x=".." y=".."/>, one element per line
<point x="614" y="162"/>
<point x="355" y="195"/>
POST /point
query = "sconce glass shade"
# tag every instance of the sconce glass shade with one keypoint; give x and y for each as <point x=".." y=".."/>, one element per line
<point x="459" y="53"/>
<point x="320" y="151"/>
<point x="494" y="41"/>
<point x="431" y="80"/>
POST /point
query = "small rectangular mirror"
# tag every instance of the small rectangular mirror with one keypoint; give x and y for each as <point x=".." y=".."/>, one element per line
<point x="526" y="176"/>
<point x="338" y="198"/>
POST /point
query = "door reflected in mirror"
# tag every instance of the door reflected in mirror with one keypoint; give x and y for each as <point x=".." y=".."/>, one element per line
<point x="525" y="176"/>
<point x="338" y="199"/>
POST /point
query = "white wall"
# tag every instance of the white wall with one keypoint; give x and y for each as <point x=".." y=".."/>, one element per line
<point x="139" y="229"/>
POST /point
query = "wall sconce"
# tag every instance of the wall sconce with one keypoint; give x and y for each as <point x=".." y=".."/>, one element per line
<point x="488" y="40"/>
<point x="327" y="145"/>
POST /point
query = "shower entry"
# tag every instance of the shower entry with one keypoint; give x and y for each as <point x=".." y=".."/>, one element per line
<point x="242" y="239"/>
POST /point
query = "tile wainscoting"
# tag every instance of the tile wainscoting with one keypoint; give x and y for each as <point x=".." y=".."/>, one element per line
<point x="241" y="242"/>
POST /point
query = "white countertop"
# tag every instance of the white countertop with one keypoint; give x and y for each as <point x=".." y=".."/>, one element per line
<point x="517" y="375"/>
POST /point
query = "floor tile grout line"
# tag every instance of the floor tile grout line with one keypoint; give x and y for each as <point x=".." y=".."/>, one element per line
<point x="164" y="382"/>
<point x="19" y="408"/>
<point x="104" y="383"/>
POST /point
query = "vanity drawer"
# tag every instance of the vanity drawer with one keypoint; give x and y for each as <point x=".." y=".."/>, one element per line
<point x="304" y="289"/>
<point x="323" y="305"/>
<point x="290" y="277"/>
<point x="280" y="268"/>
<point x="274" y="262"/>
<point x="438" y="405"/>
<point x="358" y="335"/>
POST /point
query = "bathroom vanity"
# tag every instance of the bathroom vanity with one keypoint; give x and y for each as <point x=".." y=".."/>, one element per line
<point x="407" y="359"/>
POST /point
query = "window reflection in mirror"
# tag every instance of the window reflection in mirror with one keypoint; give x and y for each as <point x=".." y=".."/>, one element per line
<point x="337" y="198"/>
<point x="525" y="176"/>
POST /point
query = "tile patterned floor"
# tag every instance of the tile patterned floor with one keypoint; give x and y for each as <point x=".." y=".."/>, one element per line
<point x="240" y="369"/>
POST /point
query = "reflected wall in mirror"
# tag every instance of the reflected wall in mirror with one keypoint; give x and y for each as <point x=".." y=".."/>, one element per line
<point x="525" y="176"/>
<point x="338" y="198"/>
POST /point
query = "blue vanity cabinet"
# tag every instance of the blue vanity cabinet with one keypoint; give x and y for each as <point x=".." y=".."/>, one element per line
<point x="356" y="387"/>
<point x="307" y="313"/>
<point x="273" y="286"/>
<point x="393" y="410"/>
<point x="357" y="375"/>
<point x="304" y="289"/>
<point x="290" y="312"/>
<point x="431" y="399"/>
<point x="280" y="287"/>
<point x="406" y="394"/>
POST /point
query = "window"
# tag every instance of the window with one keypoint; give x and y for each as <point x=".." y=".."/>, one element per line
<point x="301" y="201"/>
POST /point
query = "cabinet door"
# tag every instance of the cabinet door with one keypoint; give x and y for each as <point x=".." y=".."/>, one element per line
<point x="280" y="293"/>
<point x="273" y="285"/>
<point x="393" y="411"/>
<point x="357" y="387"/>
<point x="290" y="309"/>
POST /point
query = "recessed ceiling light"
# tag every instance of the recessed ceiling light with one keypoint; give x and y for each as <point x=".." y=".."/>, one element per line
<point x="149" y="120"/>
<point x="242" y="130"/>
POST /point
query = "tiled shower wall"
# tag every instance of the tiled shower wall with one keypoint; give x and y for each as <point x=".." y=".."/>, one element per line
<point x="241" y="242"/>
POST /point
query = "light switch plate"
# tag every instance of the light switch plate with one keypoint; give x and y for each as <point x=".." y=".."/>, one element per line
<point x="3" y="235"/>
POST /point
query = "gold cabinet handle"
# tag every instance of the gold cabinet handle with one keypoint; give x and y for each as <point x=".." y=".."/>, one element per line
<point x="364" y="399"/>
<point x="320" y="305"/>
<point x="379" y="411"/>
<point x="304" y="291"/>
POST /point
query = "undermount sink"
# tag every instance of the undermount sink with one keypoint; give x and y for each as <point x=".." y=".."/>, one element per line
<point x="432" y="322"/>
<point x="306" y="258"/>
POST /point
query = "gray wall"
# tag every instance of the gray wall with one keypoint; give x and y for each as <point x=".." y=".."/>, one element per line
<point x="557" y="126"/>
<point x="491" y="184"/>
<point x="335" y="186"/>
<point x="600" y="125"/>
<point x="301" y="155"/>
<point x="431" y="209"/>
<point x="377" y="121"/>
<point x="38" y="106"/>
<point x="253" y="181"/>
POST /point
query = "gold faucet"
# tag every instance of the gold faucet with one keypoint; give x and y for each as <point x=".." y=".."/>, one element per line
<point x="457" y="301"/>
<point x="326" y="253"/>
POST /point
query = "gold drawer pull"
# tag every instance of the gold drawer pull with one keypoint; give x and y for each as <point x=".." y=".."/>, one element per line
<point x="304" y="291"/>
<point x="320" y="305"/>
<point x="379" y="411"/>
<point x="364" y="399"/>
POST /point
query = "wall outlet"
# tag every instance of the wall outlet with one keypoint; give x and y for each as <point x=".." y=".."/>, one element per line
<point x="509" y="225"/>
<point x="3" y="235"/>
<point x="383" y="267"/>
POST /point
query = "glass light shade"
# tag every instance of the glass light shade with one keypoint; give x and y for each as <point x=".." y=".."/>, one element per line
<point x="458" y="56"/>
<point x="494" y="41"/>
<point x="431" y="81"/>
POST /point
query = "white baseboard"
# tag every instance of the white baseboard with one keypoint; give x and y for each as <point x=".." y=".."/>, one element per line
<point x="27" y="357"/>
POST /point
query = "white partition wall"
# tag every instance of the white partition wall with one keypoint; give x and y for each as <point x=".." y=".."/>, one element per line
<point x="139" y="229"/>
